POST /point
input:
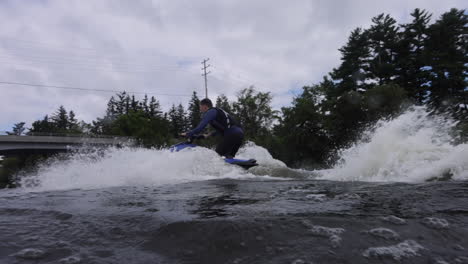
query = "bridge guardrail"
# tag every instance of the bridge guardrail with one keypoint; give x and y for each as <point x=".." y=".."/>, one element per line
<point x="45" y="134"/>
<point x="65" y="140"/>
<point x="72" y="135"/>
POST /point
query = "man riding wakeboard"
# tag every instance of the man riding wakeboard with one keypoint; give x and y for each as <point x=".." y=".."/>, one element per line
<point x="224" y="125"/>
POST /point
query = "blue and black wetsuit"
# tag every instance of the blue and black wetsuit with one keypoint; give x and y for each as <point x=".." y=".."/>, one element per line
<point x="225" y="125"/>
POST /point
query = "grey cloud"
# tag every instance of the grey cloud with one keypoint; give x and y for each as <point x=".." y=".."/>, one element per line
<point x="138" y="45"/>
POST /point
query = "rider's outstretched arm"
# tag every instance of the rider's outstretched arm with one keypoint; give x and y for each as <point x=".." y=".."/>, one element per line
<point x="207" y="118"/>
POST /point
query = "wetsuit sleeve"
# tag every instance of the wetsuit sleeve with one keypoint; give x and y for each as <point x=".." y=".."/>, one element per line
<point x="207" y="118"/>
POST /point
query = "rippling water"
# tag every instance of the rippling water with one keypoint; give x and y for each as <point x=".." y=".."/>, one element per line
<point x="239" y="221"/>
<point x="399" y="195"/>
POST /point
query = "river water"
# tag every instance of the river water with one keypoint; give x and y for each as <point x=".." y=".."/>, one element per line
<point x="400" y="195"/>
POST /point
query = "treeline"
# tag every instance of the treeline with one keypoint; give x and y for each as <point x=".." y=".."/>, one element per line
<point x="382" y="68"/>
<point x="145" y="121"/>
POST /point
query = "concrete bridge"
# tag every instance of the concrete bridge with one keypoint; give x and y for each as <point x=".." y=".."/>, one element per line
<point x="49" y="144"/>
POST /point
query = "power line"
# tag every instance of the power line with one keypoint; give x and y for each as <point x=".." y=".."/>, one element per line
<point x="94" y="52"/>
<point x="238" y="77"/>
<point x="125" y="62"/>
<point x="88" y="89"/>
<point x="103" y="63"/>
<point x="100" y="66"/>
<point x="117" y="62"/>
<point x="58" y="56"/>
<point x="86" y="69"/>
<point x="51" y="55"/>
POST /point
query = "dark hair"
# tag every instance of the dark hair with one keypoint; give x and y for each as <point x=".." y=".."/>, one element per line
<point x="206" y="102"/>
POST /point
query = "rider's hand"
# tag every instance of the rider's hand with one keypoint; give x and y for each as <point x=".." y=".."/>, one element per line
<point x="183" y="134"/>
<point x="200" y="136"/>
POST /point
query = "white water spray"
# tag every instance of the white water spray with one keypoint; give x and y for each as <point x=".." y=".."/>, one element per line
<point x="143" y="167"/>
<point x="413" y="147"/>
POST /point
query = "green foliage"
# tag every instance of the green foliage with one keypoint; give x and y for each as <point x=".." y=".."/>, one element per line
<point x="410" y="56"/>
<point x="142" y="120"/>
<point x="446" y="52"/>
<point x="177" y="120"/>
<point x="154" y="108"/>
<point x="382" y="44"/>
<point x="148" y="131"/>
<point x="42" y="126"/>
<point x="8" y="168"/>
<point x="18" y="129"/>
<point x="463" y="131"/>
<point x="384" y="101"/>
<point x="388" y="65"/>
<point x="60" y="119"/>
<point x="194" y="114"/>
<point x="12" y="165"/>
<point x="61" y="122"/>
<point x="301" y="129"/>
<point x="350" y="75"/>
<point x="223" y="103"/>
<point x="127" y="116"/>
<point x="254" y="112"/>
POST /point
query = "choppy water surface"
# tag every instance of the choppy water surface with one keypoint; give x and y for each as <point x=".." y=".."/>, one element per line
<point x="400" y="196"/>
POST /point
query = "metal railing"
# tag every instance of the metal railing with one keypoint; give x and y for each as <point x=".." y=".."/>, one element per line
<point x="46" y="134"/>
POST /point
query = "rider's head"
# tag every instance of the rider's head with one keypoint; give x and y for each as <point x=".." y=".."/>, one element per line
<point x="205" y="105"/>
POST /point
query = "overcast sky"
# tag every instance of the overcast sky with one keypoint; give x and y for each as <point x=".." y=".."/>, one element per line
<point x="157" y="47"/>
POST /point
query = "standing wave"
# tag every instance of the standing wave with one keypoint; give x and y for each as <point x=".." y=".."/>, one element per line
<point x="414" y="147"/>
<point x="139" y="167"/>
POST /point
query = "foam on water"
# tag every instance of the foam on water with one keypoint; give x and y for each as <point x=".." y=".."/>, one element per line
<point x="413" y="147"/>
<point x="148" y="167"/>
<point x="383" y="232"/>
<point x="436" y="223"/>
<point x="405" y="249"/>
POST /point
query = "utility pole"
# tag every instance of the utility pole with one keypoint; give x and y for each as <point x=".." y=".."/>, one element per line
<point x="205" y="74"/>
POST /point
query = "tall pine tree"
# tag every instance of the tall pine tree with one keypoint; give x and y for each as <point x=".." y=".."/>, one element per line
<point x="383" y="44"/>
<point x="447" y="49"/>
<point x="155" y="108"/>
<point x="18" y="129"/>
<point x="177" y="120"/>
<point x="61" y="119"/>
<point x="350" y="76"/>
<point x="182" y="116"/>
<point x="120" y="103"/>
<point x="223" y="103"/>
<point x="410" y="56"/>
<point x="42" y="126"/>
<point x="194" y="114"/>
<point x="73" y="126"/>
